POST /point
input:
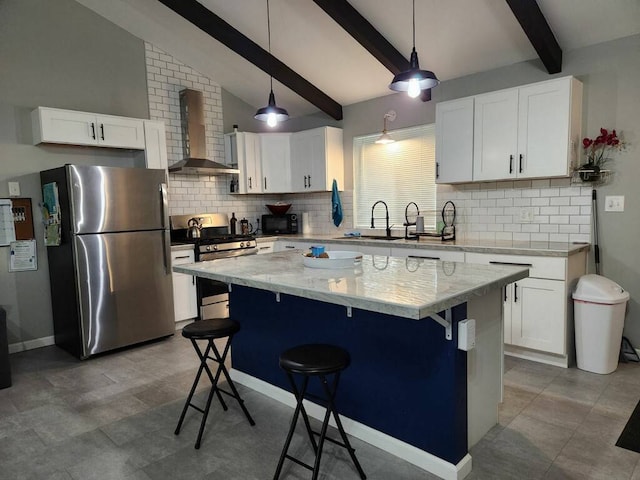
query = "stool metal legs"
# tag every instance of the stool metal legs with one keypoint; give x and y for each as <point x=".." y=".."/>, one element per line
<point x="221" y="370"/>
<point x="330" y="393"/>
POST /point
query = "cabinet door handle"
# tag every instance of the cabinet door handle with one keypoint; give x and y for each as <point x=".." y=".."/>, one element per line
<point x="512" y="263"/>
<point x="520" y="166"/>
<point x="505" y="293"/>
<point x="193" y="280"/>
<point x="309" y="181"/>
<point x="93" y="130"/>
<point x="515" y="293"/>
<point x="250" y="183"/>
<point x="305" y="181"/>
<point x="437" y="170"/>
<point x="265" y="183"/>
<point x="510" y="163"/>
<point x="102" y="131"/>
<point x="425" y="258"/>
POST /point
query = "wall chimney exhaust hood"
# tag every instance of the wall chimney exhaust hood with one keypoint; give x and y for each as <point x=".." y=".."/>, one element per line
<point x="194" y="141"/>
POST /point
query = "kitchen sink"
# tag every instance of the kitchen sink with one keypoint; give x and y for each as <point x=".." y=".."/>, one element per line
<point x="369" y="237"/>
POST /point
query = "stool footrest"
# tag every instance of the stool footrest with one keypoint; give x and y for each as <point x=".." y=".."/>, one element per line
<point x="299" y="462"/>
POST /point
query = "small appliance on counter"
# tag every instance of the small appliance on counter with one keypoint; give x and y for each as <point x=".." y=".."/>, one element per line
<point x="280" y="224"/>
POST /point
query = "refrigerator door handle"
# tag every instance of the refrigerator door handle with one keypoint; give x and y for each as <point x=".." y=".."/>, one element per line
<point x="166" y="244"/>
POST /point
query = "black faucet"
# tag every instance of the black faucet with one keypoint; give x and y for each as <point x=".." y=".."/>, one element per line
<point x="387" y="216"/>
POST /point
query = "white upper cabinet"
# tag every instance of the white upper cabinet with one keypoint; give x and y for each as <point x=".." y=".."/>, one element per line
<point x="527" y="132"/>
<point x="52" y="125"/>
<point x="276" y="162"/>
<point x="155" y="140"/>
<point x="454" y="141"/>
<point x="242" y="150"/>
<point x="316" y="159"/>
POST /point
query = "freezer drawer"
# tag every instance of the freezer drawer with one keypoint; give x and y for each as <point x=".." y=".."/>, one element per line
<point x="124" y="289"/>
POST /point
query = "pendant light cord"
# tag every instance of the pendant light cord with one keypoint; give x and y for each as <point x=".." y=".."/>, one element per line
<point x="269" y="42"/>
<point x="414" y="23"/>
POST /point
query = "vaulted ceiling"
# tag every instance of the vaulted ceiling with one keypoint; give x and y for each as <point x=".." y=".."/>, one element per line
<point x="330" y="53"/>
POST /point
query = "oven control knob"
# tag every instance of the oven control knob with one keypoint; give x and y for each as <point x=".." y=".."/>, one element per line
<point x="215" y="247"/>
<point x="241" y="244"/>
<point x="208" y="248"/>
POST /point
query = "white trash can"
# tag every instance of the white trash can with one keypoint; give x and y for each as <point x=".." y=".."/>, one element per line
<point x="599" y="306"/>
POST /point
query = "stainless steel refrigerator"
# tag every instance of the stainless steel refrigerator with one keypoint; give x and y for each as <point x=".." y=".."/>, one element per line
<point x="111" y="272"/>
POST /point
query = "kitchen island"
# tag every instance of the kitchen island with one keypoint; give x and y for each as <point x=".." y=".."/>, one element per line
<point x="409" y="390"/>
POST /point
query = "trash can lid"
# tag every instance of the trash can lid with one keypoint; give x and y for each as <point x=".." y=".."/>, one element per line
<point x="598" y="289"/>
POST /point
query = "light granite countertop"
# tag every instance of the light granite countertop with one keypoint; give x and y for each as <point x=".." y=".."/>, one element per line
<point x="410" y="288"/>
<point x="545" y="249"/>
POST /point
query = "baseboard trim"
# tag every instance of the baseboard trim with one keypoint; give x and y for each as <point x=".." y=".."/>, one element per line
<point x="411" y="454"/>
<point x="32" y="344"/>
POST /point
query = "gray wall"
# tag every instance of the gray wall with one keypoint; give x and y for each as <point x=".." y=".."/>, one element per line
<point x="610" y="73"/>
<point x="56" y="54"/>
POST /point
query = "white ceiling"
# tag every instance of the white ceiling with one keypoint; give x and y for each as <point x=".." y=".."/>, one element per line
<point x="454" y="38"/>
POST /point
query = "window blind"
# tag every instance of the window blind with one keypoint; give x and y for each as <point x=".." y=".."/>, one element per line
<point x="398" y="173"/>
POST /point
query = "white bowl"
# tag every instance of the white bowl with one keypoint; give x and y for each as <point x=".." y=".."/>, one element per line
<point x="337" y="259"/>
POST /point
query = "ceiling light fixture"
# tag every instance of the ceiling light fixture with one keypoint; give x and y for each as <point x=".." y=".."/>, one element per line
<point x="414" y="80"/>
<point x="385" y="138"/>
<point x="272" y="114"/>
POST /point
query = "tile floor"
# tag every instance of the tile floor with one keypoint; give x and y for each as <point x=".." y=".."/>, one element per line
<point x="113" y="417"/>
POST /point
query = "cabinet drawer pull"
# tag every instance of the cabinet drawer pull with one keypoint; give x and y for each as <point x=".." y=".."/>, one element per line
<point x="521" y="163"/>
<point x="515" y="293"/>
<point x="289" y="246"/>
<point x="102" y="131"/>
<point x="181" y="257"/>
<point x="264" y="248"/>
<point x="93" y="130"/>
<point x="510" y="163"/>
<point x="425" y="258"/>
<point x="512" y="263"/>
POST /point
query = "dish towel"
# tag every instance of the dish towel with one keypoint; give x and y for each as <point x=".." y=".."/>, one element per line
<point x="336" y="205"/>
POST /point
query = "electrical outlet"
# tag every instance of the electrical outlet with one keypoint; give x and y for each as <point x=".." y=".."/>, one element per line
<point x="14" y="189"/>
<point x="526" y="215"/>
<point x="614" y="203"/>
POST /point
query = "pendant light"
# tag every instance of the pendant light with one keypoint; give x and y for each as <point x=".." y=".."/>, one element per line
<point x="414" y="80"/>
<point x="385" y="138"/>
<point x="272" y="114"/>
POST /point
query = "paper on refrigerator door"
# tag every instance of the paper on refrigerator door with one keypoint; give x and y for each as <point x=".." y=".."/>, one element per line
<point x="7" y="228"/>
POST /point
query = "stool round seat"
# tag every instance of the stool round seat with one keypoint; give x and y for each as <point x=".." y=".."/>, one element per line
<point x="315" y="359"/>
<point x="211" y="328"/>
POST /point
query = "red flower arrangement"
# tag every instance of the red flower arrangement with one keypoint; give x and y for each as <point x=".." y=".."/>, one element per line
<point x="597" y="149"/>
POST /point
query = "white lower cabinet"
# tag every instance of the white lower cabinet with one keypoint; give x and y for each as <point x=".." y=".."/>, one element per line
<point x="534" y="314"/>
<point x="538" y="310"/>
<point x="185" y="300"/>
<point x="265" y="247"/>
<point x="444" y="255"/>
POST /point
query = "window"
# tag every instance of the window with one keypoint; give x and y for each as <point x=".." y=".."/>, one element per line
<point x="398" y="173"/>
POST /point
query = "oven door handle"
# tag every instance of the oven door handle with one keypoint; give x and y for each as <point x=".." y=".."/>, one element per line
<point x="166" y="242"/>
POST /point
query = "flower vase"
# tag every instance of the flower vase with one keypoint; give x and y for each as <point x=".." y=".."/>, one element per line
<point x="589" y="172"/>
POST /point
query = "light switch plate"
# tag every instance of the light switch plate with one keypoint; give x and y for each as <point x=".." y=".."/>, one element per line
<point x="614" y="203"/>
<point x="14" y="189"/>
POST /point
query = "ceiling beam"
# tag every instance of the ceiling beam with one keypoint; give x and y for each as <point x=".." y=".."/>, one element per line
<point x="366" y="35"/>
<point x="217" y="28"/>
<point x="535" y="26"/>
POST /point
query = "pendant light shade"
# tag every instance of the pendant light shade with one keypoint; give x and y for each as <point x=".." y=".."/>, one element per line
<point x="272" y="114"/>
<point x="414" y="80"/>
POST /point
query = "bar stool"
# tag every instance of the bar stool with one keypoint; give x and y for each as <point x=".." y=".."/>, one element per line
<point x="210" y="330"/>
<point x="315" y="360"/>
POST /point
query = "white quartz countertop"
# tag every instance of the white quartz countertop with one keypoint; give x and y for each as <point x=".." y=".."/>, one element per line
<point x="405" y="287"/>
<point x="546" y="249"/>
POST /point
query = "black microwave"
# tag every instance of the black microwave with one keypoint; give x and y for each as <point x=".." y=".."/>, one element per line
<point x="276" y="224"/>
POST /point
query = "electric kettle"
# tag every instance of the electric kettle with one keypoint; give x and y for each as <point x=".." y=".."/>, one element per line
<point x="193" y="228"/>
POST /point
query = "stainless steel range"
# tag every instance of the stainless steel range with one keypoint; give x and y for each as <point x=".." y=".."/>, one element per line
<point x="209" y="233"/>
